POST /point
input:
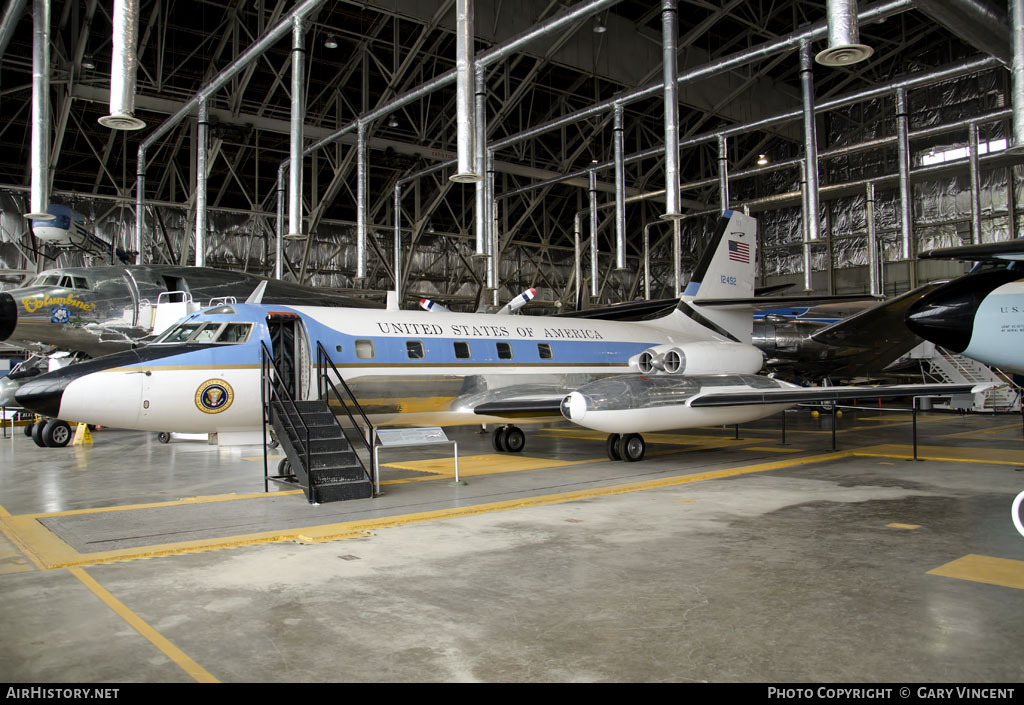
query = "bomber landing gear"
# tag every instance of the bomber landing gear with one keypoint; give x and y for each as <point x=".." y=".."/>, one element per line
<point x="629" y="447"/>
<point x="52" y="433"/>
<point x="508" y="439"/>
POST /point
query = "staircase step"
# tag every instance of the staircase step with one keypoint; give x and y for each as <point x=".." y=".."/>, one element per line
<point x="332" y="459"/>
<point x="326" y="476"/>
<point x="323" y="445"/>
<point x="298" y="434"/>
<point x="339" y="491"/>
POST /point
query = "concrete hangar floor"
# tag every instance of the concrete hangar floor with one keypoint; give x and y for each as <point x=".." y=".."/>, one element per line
<point x="714" y="559"/>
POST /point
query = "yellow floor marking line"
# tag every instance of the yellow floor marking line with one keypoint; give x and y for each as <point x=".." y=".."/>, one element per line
<point x="48" y="551"/>
<point x="910" y="527"/>
<point x="977" y="432"/>
<point x="172" y="503"/>
<point x="488" y="464"/>
<point x="172" y="652"/>
<point x="984" y="569"/>
<point x="992" y="456"/>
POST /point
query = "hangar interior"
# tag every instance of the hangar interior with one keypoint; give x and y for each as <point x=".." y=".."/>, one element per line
<point x="583" y="150"/>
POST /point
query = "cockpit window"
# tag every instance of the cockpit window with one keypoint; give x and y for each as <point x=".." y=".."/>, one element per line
<point x="46" y="280"/>
<point x="234" y="333"/>
<point x="206" y="334"/>
<point x="179" y="334"/>
<point x="81" y="283"/>
<point x="67" y="283"/>
<point x="221" y="311"/>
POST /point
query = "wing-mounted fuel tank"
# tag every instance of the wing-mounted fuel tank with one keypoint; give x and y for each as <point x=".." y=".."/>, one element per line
<point x="698" y="358"/>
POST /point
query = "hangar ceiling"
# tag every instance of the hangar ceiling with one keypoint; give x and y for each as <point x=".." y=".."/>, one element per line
<point x="386" y="47"/>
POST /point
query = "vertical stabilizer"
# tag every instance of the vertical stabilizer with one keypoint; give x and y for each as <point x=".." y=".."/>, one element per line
<point x="726" y="271"/>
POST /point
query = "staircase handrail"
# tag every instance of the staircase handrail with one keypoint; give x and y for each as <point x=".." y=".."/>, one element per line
<point x="321" y="357"/>
<point x="275" y="387"/>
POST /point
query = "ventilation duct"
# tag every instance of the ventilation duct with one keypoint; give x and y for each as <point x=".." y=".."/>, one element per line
<point x="124" y="63"/>
<point x="40" y="155"/>
<point x="465" y="94"/>
<point x="844" y="47"/>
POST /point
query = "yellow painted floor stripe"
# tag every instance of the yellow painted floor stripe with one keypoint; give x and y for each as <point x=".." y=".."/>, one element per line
<point x="984" y="569"/>
<point x="975" y="432"/>
<point x="992" y="456"/>
<point x="47" y="550"/>
<point x="910" y="527"/>
<point x="172" y="652"/>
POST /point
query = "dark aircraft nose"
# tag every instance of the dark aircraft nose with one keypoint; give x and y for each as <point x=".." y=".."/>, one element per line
<point x="8" y="315"/>
<point x="42" y="395"/>
<point x="946" y="315"/>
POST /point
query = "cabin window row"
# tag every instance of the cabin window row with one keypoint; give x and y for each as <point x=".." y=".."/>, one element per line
<point x="414" y="350"/>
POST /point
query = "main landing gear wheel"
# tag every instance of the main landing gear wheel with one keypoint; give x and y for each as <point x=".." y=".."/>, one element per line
<point x="57" y="433"/>
<point x="28" y="429"/>
<point x="515" y="439"/>
<point x="632" y="447"/>
<point x="51" y="434"/>
<point x="612" y="446"/>
<point x="163" y="437"/>
<point x="508" y="439"/>
<point x="498" y="439"/>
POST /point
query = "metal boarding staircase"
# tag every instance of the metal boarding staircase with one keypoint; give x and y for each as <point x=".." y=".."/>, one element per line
<point x="318" y="453"/>
<point x="944" y="366"/>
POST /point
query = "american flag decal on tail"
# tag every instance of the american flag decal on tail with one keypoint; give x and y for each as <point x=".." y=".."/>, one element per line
<point x="739" y="252"/>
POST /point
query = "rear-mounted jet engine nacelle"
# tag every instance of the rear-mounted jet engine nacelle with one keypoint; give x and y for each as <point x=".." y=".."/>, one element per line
<point x="700" y="358"/>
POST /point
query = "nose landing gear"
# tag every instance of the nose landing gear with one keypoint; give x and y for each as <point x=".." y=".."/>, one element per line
<point x="629" y="447"/>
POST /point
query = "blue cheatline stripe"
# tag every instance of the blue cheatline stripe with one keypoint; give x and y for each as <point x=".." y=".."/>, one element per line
<point x="727" y="214"/>
<point x="393" y="350"/>
<point x="691" y="289"/>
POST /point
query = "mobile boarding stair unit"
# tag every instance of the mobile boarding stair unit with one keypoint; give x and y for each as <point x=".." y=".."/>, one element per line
<point x="318" y="455"/>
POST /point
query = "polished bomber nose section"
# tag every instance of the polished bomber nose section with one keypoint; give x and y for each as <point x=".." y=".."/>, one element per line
<point x="8" y="315"/>
<point x="946" y="315"/>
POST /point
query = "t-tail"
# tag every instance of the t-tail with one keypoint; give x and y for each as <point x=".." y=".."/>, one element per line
<point x="725" y="271"/>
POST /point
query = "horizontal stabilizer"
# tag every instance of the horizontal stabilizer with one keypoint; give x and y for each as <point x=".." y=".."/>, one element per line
<point x="836" y="394"/>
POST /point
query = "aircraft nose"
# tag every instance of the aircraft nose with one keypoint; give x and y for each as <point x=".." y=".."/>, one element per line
<point x="943" y="320"/>
<point x="8" y="315"/>
<point x="43" y="394"/>
<point x="574" y="407"/>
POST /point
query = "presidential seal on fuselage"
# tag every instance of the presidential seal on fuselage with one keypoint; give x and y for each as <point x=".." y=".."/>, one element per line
<point x="214" y="396"/>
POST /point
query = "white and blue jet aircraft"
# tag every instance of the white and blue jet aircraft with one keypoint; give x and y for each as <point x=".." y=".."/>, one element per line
<point x="694" y="366"/>
<point x="981" y="314"/>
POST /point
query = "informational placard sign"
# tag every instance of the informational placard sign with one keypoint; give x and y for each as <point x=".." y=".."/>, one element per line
<point x="411" y="436"/>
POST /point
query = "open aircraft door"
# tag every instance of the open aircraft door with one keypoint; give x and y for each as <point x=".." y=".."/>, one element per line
<point x="292" y="356"/>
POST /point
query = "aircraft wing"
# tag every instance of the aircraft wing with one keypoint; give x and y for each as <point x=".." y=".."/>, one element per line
<point x="987" y="252"/>
<point x="875" y="336"/>
<point x="835" y="394"/>
<point x="629" y="311"/>
<point x="771" y="301"/>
